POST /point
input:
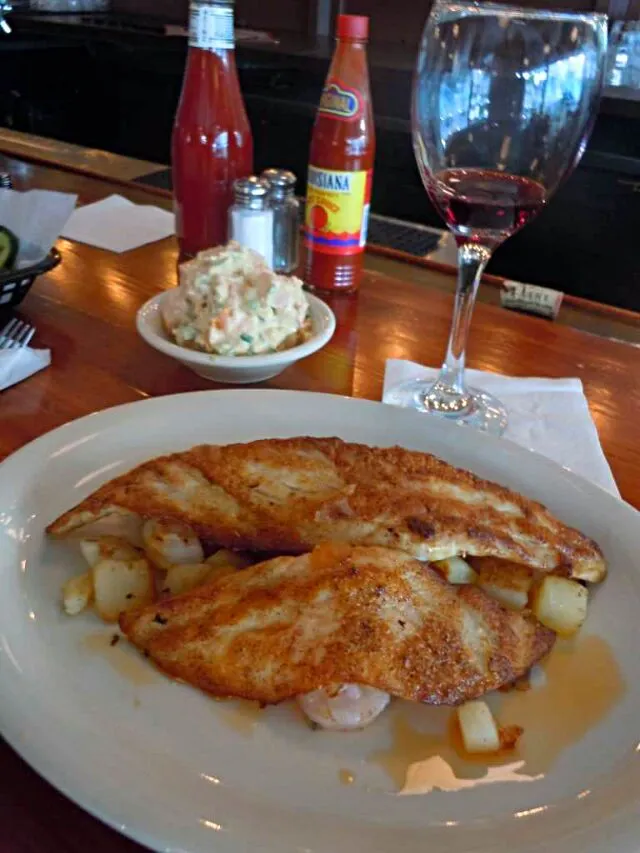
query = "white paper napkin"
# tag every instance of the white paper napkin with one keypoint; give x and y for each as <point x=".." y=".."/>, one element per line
<point x="117" y="224"/>
<point x="550" y="416"/>
<point x="16" y="365"/>
<point x="36" y="217"/>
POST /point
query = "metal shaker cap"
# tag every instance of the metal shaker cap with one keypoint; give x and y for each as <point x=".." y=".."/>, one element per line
<point x="281" y="181"/>
<point x="5" y="181"/>
<point x="250" y="192"/>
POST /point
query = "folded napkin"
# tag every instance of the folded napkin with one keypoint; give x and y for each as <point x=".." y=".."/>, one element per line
<point x="16" y="365"/>
<point x="117" y="224"/>
<point x="550" y="416"/>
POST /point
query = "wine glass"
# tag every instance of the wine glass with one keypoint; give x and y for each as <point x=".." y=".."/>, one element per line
<point x="504" y="100"/>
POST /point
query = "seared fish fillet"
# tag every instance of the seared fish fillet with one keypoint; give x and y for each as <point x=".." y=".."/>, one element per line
<point x="360" y="615"/>
<point x="288" y="495"/>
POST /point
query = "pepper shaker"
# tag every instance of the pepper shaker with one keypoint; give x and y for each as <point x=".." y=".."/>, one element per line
<point x="286" y="219"/>
<point x="250" y="220"/>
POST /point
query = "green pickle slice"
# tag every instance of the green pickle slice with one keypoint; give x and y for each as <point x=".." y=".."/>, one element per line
<point x="9" y="245"/>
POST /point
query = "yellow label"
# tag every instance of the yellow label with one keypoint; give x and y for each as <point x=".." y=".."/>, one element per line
<point x="337" y="210"/>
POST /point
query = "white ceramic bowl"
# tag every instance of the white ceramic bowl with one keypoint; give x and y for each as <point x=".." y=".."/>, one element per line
<point x="234" y="369"/>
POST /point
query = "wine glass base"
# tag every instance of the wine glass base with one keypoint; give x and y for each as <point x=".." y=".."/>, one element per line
<point x="482" y="411"/>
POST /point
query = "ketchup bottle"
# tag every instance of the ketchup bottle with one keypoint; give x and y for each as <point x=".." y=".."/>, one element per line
<point x="212" y="143"/>
<point x="341" y="165"/>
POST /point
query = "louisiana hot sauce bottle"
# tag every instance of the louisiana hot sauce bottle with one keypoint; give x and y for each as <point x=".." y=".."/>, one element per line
<point x="212" y="143"/>
<point x="341" y="166"/>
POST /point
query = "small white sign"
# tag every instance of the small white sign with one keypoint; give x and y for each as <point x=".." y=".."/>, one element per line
<point x="531" y="298"/>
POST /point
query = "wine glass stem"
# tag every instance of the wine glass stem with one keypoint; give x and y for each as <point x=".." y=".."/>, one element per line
<point x="472" y="259"/>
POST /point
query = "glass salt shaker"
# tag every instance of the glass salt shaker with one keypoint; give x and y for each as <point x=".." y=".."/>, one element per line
<point x="286" y="219"/>
<point x="250" y="220"/>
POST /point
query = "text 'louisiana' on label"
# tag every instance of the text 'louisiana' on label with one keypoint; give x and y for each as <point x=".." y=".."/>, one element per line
<point x="337" y="182"/>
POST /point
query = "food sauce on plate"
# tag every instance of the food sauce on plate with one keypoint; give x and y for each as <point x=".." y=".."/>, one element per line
<point x="126" y="661"/>
<point x="346" y="777"/>
<point x="583" y="684"/>
<point x="242" y="715"/>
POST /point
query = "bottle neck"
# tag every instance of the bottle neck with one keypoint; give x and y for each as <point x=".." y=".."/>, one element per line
<point x="351" y="46"/>
<point x="355" y="43"/>
<point x="350" y="61"/>
<point x="346" y="95"/>
<point x="211" y="26"/>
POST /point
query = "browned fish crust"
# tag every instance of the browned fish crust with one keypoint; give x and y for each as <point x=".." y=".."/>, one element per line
<point x="339" y="615"/>
<point x="288" y="495"/>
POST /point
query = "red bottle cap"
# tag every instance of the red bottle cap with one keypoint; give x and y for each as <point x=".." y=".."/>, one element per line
<point x="355" y="27"/>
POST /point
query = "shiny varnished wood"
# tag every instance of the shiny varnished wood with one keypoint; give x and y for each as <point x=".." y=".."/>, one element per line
<point x="85" y="312"/>
<point x="92" y="161"/>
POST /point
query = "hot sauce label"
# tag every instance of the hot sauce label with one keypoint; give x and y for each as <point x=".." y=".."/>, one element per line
<point x="340" y="101"/>
<point x="337" y="210"/>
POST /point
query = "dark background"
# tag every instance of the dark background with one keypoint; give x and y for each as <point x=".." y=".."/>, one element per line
<point x="113" y="82"/>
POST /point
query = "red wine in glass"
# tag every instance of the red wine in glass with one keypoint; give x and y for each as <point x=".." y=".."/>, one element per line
<point x="486" y="206"/>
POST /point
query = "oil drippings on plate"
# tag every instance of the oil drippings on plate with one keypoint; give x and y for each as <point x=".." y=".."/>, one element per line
<point x="582" y="684"/>
<point x="125" y="660"/>
<point x="420" y="762"/>
<point x="346" y="777"/>
<point x="242" y="715"/>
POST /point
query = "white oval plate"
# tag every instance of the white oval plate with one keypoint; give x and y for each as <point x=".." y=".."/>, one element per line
<point x="169" y="767"/>
<point x="234" y="369"/>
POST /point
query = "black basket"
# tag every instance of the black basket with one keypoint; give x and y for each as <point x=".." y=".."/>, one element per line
<point x="14" y="284"/>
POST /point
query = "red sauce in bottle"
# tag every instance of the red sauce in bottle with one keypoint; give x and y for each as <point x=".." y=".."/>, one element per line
<point x="212" y="143"/>
<point x="341" y="165"/>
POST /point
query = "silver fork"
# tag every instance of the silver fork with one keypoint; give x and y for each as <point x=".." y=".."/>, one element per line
<point x="16" y="334"/>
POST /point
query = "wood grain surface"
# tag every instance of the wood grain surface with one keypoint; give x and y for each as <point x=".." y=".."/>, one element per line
<point x="84" y="312"/>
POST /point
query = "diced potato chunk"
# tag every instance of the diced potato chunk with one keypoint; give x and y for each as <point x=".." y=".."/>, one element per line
<point x="107" y="548"/>
<point x="167" y="543"/>
<point x="224" y="557"/>
<point x="456" y="570"/>
<point x="514" y="595"/>
<point x="185" y="576"/>
<point x="77" y="594"/>
<point x="120" y="586"/>
<point x="507" y="582"/>
<point x="560" y="604"/>
<point x="478" y="727"/>
<point x="514" y="599"/>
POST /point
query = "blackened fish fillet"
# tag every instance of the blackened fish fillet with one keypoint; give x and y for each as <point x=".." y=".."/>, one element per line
<point x="288" y="495"/>
<point x="341" y="614"/>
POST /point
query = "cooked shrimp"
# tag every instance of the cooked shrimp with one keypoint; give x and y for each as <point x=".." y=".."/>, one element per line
<point x="353" y="706"/>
